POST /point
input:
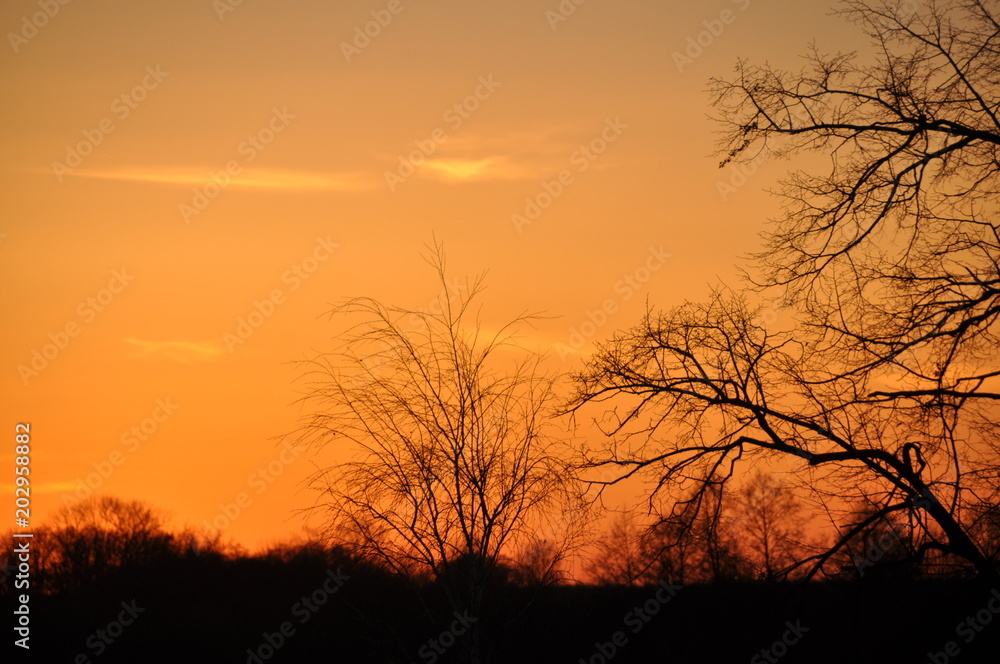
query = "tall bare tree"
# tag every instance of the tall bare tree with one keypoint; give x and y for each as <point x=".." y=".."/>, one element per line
<point x="770" y="525"/>
<point x="888" y="385"/>
<point x="456" y="466"/>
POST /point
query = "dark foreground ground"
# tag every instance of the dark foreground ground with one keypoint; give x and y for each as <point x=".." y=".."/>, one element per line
<point x="207" y="609"/>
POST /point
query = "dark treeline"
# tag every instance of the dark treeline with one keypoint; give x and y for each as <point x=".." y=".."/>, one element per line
<point x="181" y="597"/>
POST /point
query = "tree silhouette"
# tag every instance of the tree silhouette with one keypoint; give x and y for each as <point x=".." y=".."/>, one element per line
<point x="887" y="385"/>
<point x="769" y="524"/>
<point x="695" y="542"/>
<point x="456" y="468"/>
<point x="540" y="563"/>
<point x="885" y="545"/>
<point x="620" y="557"/>
<point x="89" y="540"/>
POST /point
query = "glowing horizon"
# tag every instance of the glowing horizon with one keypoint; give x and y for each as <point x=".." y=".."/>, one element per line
<point x="243" y="169"/>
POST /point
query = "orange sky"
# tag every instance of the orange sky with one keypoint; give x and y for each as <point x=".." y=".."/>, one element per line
<point x="169" y="168"/>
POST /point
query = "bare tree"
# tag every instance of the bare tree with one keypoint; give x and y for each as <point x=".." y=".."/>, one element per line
<point x="620" y="556"/>
<point x="770" y="525"/>
<point x="456" y="466"/>
<point x="893" y="253"/>
<point x="89" y="539"/>
<point x="887" y="387"/>
<point x="705" y="389"/>
<point x="540" y="563"/>
<point x="886" y="544"/>
<point x="985" y="518"/>
<point x="694" y="541"/>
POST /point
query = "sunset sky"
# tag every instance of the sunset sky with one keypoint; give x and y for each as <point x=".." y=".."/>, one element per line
<point x="170" y="169"/>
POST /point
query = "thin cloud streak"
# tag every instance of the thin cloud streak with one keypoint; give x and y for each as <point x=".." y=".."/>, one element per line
<point x="248" y="178"/>
<point x="519" y="155"/>
<point x="185" y="352"/>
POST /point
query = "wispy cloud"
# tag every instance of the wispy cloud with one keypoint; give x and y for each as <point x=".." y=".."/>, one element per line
<point x="255" y="178"/>
<point x="505" y="155"/>
<point x="466" y="170"/>
<point x="176" y="351"/>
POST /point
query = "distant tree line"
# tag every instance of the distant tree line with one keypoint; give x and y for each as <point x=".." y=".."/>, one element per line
<point x="200" y="599"/>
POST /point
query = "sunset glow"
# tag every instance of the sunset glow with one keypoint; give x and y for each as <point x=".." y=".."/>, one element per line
<point x="523" y="331"/>
<point x="204" y="160"/>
